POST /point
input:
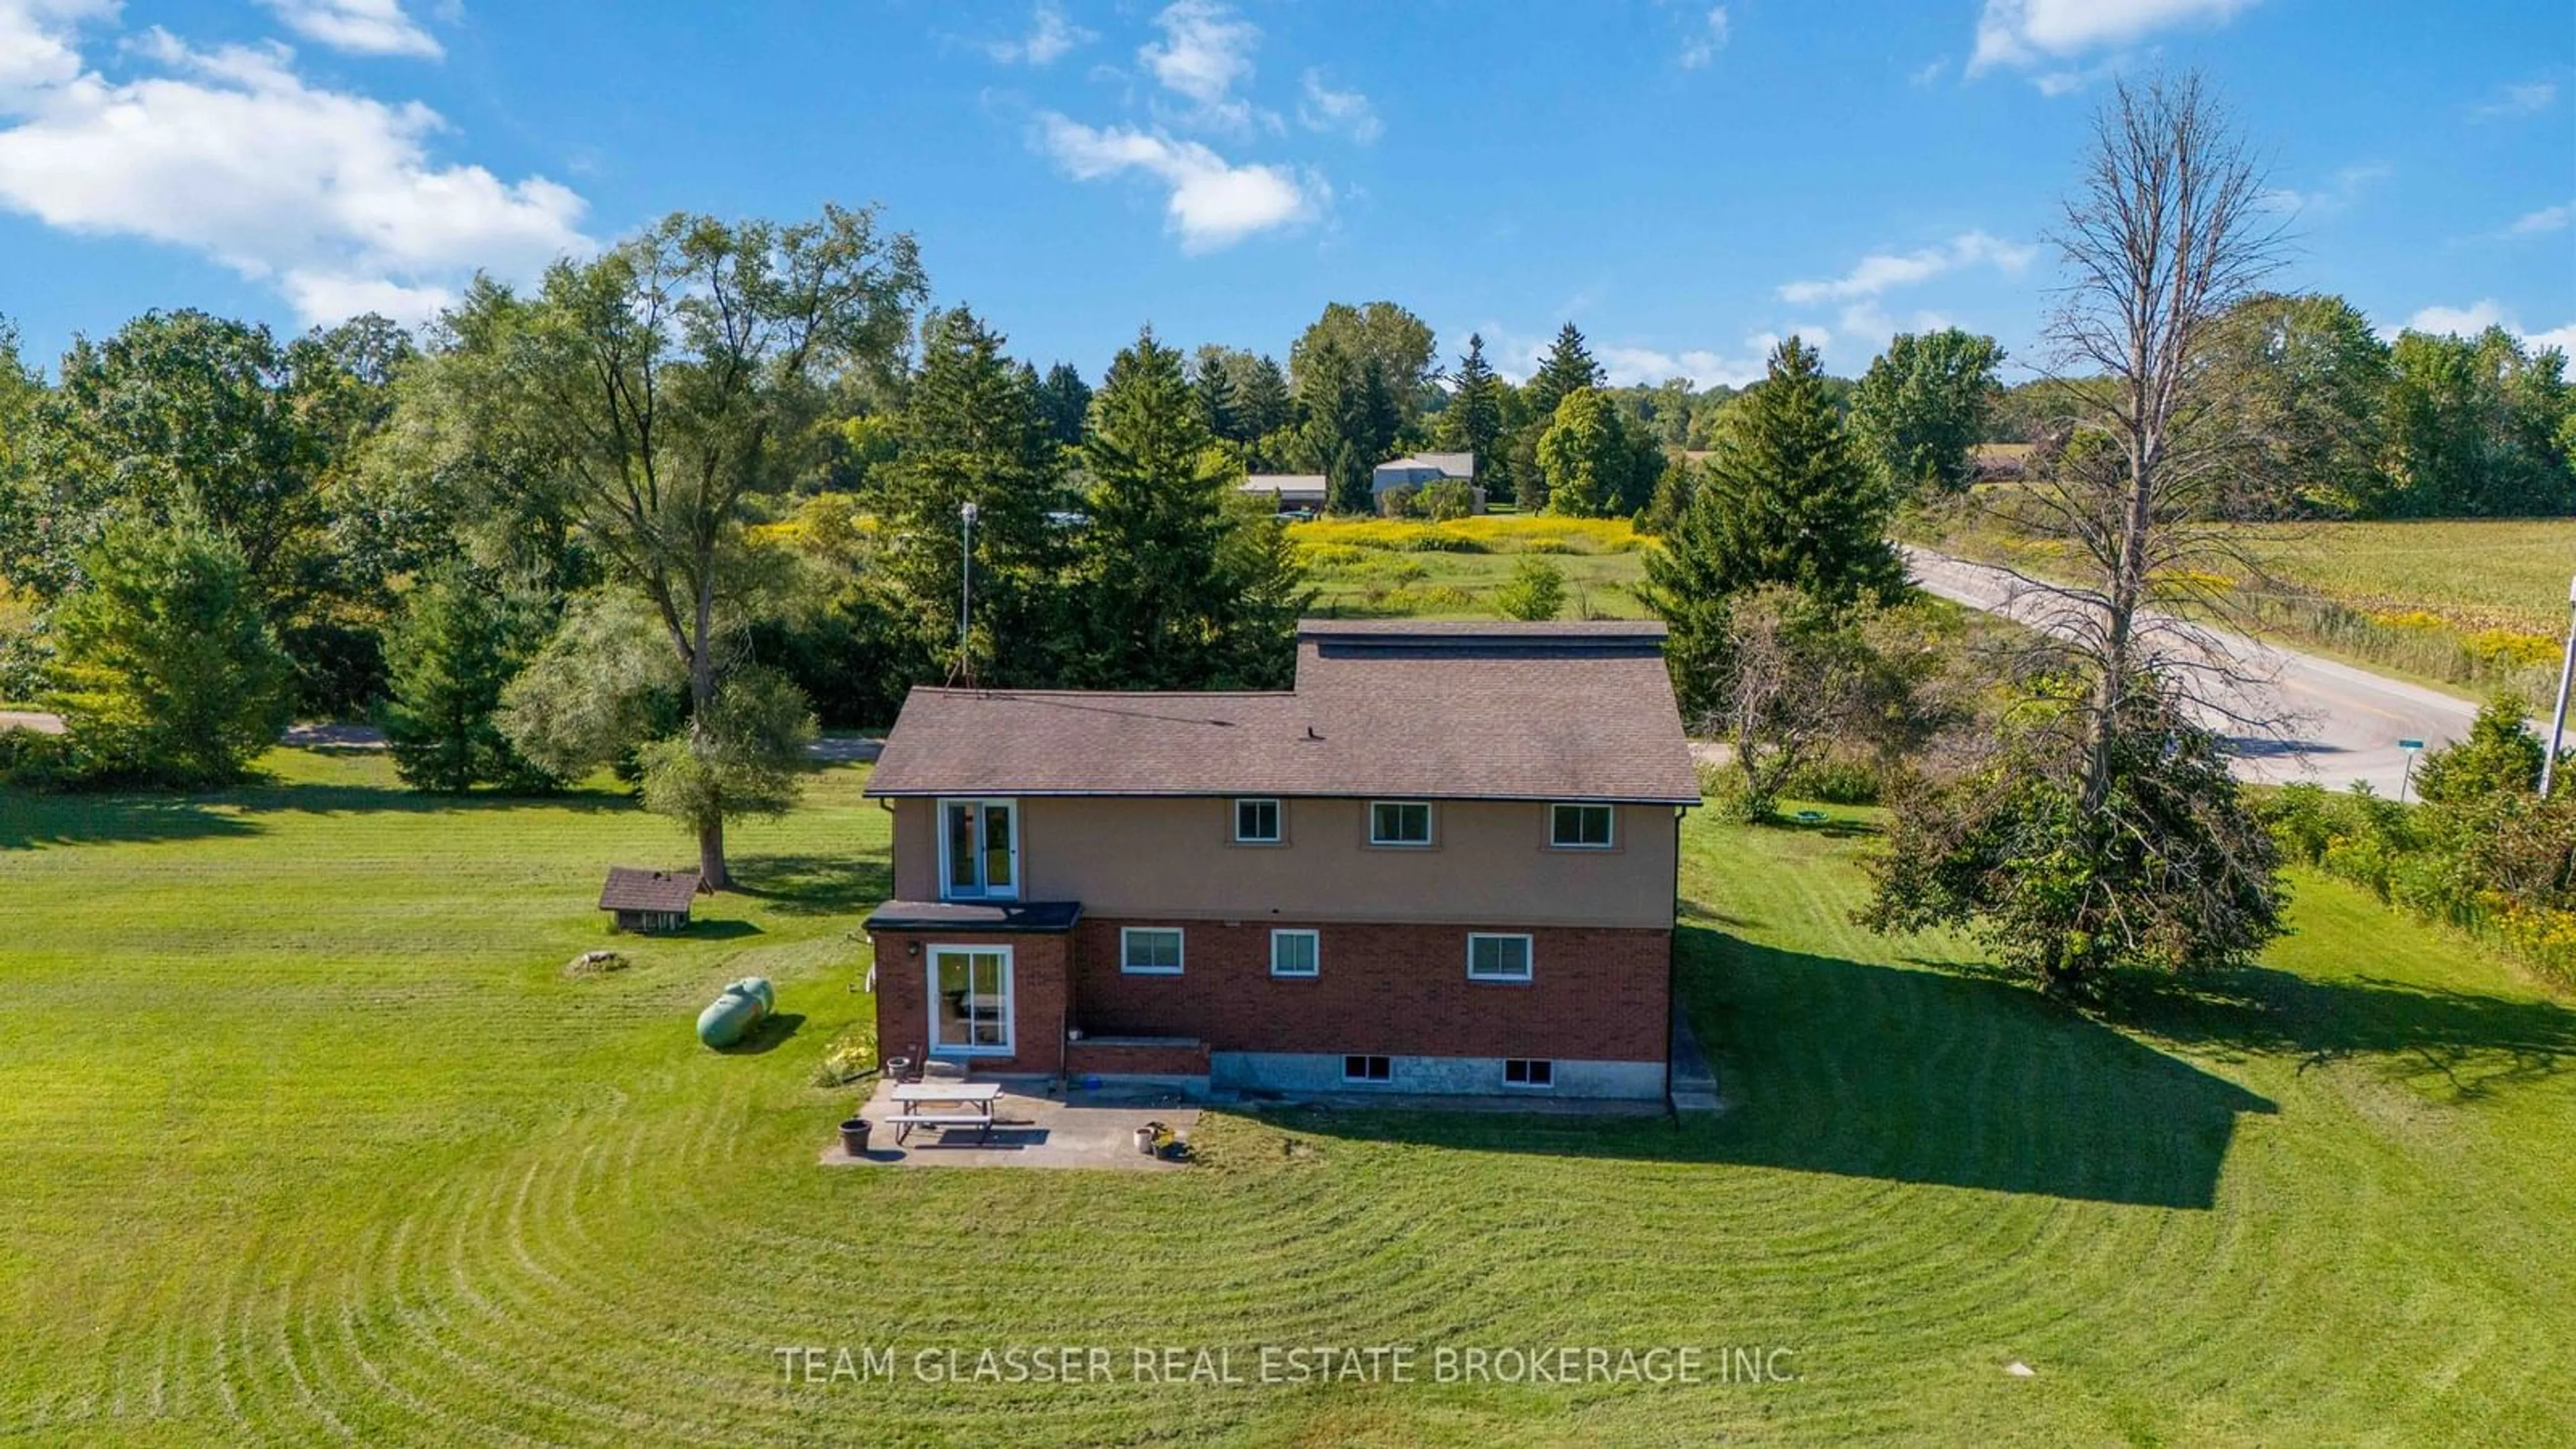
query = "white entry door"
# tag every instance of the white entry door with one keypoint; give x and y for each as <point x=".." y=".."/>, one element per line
<point x="970" y="1001"/>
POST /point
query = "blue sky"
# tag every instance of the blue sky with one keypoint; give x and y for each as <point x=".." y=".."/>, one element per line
<point x="1684" y="182"/>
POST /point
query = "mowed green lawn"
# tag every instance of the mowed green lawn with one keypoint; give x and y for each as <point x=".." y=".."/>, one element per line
<point x="306" y="1136"/>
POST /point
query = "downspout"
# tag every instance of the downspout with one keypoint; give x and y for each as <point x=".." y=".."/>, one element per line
<point x="1672" y="966"/>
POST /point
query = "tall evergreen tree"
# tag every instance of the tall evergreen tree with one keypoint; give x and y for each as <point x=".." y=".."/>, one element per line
<point x="460" y="641"/>
<point x="1351" y="420"/>
<point x="166" y="669"/>
<point x="1473" y="421"/>
<point x="1064" y="400"/>
<point x="1261" y="393"/>
<point x="971" y="432"/>
<point x="1173" y="594"/>
<point x="1569" y="365"/>
<point x="1786" y="500"/>
<point x="1214" y="384"/>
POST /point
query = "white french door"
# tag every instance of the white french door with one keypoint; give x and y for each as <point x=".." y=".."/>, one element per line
<point x="970" y="1001"/>
<point x="979" y="850"/>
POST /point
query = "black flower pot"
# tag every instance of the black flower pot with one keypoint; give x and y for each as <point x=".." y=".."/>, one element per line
<point x="854" y="1137"/>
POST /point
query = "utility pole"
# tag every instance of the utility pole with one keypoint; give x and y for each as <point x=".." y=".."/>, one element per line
<point x="2558" y="722"/>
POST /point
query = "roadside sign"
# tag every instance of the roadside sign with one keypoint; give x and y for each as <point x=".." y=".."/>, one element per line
<point x="2410" y="744"/>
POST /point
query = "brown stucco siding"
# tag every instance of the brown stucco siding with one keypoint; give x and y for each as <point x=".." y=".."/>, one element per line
<point x="1595" y="994"/>
<point x="1040" y="982"/>
<point x="1490" y="863"/>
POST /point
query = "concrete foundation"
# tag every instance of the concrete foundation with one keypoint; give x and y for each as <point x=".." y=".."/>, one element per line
<point x="1309" y="1074"/>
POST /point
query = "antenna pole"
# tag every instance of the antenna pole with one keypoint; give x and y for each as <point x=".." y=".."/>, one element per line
<point x="966" y="591"/>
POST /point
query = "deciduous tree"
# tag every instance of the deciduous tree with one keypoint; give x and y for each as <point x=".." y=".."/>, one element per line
<point x="1921" y="407"/>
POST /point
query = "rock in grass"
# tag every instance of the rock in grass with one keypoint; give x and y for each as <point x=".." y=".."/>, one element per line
<point x="595" y="963"/>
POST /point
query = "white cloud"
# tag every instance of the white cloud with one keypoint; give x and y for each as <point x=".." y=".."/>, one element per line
<point x="1050" y="35"/>
<point x="2544" y="221"/>
<point x="1881" y="271"/>
<point x="1346" y="113"/>
<point x="1213" y="203"/>
<point x="2023" y="32"/>
<point x="2484" y="313"/>
<point x="361" y="27"/>
<point x="2326" y="201"/>
<point x="1206" y="50"/>
<point x="37" y="47"/>
<point x="1705" y="40"/>
<point x="1931" y="71"/>
<point x="330" y="197"/>
<point x="2527" y="99"/>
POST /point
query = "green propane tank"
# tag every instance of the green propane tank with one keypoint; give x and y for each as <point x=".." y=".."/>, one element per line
<point x="732" y="1015"/>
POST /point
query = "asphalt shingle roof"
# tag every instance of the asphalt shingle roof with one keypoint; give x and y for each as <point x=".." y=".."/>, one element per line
<point x="1456" y="710"/>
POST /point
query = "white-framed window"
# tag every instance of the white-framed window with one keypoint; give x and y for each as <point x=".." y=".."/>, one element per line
<point x="1498" y="958"/>
<point x="1295" y="953"/>
<point x="979" y="850"/>
<point x="1399" y="822"/>
<point x="1257" y="822"/>
<point x="1579" y="827"/>
<point x="970" y="1001"/>
<point x="1535" y="1073"/>
<point x="1367" y="1069"/>
<point x="1149" y="950"/>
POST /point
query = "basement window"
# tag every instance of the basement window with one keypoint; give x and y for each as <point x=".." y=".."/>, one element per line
<point x="1367" y="1069"/>
<point x="1533" y="1072"/>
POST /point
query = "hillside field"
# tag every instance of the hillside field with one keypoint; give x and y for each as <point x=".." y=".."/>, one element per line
<point x="308" y="1135"/>
<point x="1397" y="568"/>
<point x="2473" y="606"/>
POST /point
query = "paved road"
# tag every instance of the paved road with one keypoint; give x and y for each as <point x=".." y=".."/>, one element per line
<point x="2343" y="723"/>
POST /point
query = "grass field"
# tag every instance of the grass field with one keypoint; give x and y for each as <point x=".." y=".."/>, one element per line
<point x="307" y="1136"/>
<point x="2474" y="606"/>
<point x="1389" y="568"/>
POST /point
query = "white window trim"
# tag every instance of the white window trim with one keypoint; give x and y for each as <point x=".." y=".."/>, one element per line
<point x="1364" y="1057"/>
<point x="1529" y="957"/>
<point x="1527" y="1086"/>
<point x="1010" y="1001"/>
<point x="1278" y="820"/>
<point x="1430" y="827"/>
<point x="939" y="826"/>
<point x="1556" y="844"/>
<point x="1180" y="938"/>
<point x="1310" y="934"/>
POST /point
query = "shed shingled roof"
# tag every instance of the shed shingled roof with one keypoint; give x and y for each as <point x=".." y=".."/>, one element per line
<point x="1453" y="710"/>
<point x="631" y="889"/>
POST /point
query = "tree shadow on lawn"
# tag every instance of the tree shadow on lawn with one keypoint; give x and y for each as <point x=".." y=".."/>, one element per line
<point x="30" y="821"/>
<point x="1858" y="1070"/>
<point x="816" y="884"/>
<point x="2465" y="1045"/>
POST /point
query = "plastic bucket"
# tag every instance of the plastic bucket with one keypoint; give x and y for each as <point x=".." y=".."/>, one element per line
<point x="854" y="1137"/>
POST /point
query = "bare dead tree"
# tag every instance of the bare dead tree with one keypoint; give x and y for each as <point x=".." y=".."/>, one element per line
<point x="2167" y="231"/>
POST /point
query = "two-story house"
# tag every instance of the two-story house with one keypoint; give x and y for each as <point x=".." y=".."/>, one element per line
<point x="1444" y="861"/>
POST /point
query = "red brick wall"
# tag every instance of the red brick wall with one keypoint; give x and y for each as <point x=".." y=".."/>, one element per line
<point x="1595" y="994"/>
<point x="1128" y="1058"/>
<point x="1038" y="986"/>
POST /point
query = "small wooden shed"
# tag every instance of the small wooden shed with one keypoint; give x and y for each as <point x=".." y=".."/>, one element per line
<point x="650" y="901"/>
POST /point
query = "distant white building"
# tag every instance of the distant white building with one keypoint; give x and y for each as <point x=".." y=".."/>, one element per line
<point x="1288" y="491"/>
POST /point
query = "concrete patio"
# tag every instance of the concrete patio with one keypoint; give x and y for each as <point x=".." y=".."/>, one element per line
<point x="1034" y="1125"/>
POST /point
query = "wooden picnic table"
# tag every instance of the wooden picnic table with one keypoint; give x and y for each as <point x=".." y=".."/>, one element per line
<point x="978" y="1098"/>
